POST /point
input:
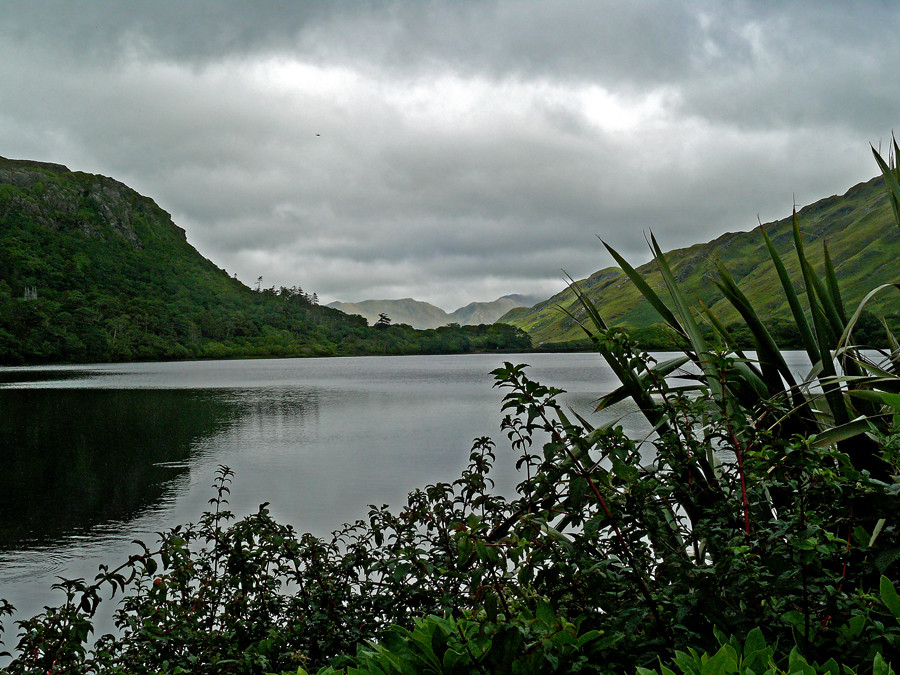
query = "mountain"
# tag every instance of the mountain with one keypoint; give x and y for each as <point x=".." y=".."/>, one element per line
<point x="415" y="313"/>
<point x="90" y="270"/>
<point x="859" y="230"/>
<point x="488" y="312"/>
<point x="419" y="314"/>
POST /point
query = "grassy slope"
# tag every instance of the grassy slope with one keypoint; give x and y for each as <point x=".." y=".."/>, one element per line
<point x="861" y="215"/>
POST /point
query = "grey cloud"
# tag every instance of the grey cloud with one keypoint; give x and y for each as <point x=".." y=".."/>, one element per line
<point x="804" y="64"/>
<point x="448" y="151"/>
<point x="647" y="39"/>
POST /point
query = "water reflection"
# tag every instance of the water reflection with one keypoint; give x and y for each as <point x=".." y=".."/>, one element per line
<point x="22" y="375"/>
<point x="75" y="458"/>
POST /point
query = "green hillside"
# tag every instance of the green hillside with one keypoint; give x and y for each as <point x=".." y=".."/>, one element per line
<point x="90" y="270"/>
<point x="858" y="228"/>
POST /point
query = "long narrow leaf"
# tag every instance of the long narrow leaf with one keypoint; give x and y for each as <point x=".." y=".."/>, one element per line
<point x="767" y="350"/>
<point x="815" y="290"/>
<point x="646" y="291"/>
<point x="622" y="370"/>
<point x="721" y="329"/>
<point x="827" y="303"/>
<point x="833" y="288"/>
<point x="880" y="397"/>
<point x="660" y="371"/>
<point x="849" y="365"/>
<point x="851" y="324"/>
<point x="750" y="372"/>
<point x="692" y="331"/>
<point x="800" y="321"/>
<point x="873" y="370"/>
<point x="825" y="337"/>
<point x="891" y="181"/>
<point x="588" y="306"/>
<point x="840" y="433"/>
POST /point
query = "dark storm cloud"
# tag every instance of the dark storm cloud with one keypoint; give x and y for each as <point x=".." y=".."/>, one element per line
<point x="650" y="41"/>
<point x="450" y="151"/>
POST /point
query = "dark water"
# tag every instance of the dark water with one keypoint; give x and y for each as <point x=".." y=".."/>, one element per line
<point x="92" y="457"/>
<point x="75" y="458"/>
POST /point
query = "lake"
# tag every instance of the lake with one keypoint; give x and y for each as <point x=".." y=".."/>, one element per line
<point x="96" y="456"/>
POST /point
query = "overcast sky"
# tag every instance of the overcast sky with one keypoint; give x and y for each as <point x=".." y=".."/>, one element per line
<point x="451" y="151"/>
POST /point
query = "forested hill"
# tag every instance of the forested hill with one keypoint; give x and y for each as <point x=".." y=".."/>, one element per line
<point x="858" y="227"/>
<point x="90" y="270"/>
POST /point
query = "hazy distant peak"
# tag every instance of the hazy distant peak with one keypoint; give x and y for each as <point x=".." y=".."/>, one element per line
<point x="420" y="314"/>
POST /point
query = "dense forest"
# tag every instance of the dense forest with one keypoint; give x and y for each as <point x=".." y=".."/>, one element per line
<point x="92" y="271"/>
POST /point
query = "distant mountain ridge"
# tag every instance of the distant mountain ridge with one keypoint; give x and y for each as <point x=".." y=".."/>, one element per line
<point x="424" y="315"/>
<point x="862" y="240"/>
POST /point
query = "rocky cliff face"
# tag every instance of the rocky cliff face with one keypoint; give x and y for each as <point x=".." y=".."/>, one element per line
<point x="55" y="197"/>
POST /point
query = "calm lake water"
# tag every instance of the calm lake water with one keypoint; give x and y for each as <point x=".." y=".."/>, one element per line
<point x="95" y="456"/>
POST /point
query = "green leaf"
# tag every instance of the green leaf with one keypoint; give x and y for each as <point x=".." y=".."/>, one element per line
<point x="824" y="329"/>
<point x="833" y="289"/>
<point x="545" y="613"/>
<point x="889" y="596"/>
<point x="798" y="664"/>
<point x="659" y="371"/>
<point x="754" y="645"/>
<point x="835" y="435"/>
<point x="491" y="607"/>
<point x="881" y="667"/>
<point x="845" y="335"/>
<point x="455" y="659"/>
<point x="688" y="662"/>
<point x="723" y="662"/>
<point x="794" y="618"/>
<point x="852" y="629"/>
<point x="622" y="370"/>
<point x="877" y="530"/>
<point x="691" y="330"/>
<point x="883" y="397"/>
<point x="588" y="637"/>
